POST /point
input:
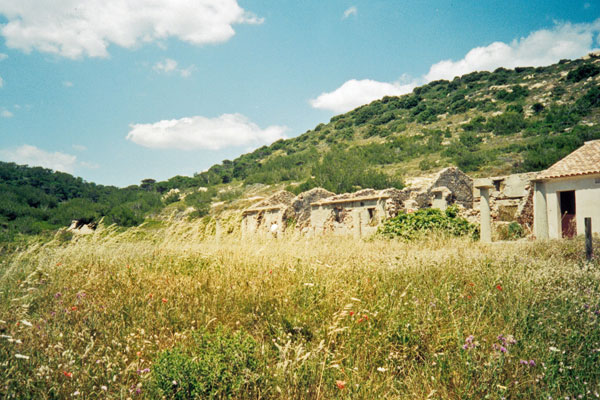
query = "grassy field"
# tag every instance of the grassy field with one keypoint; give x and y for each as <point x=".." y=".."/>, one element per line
<point x="164" y="312"/>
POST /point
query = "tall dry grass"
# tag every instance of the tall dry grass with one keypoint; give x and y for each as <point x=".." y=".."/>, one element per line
<point x="332" y="317"/>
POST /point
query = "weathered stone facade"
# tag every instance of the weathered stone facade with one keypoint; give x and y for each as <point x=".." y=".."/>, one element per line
<point x="511" y="199"/>
<point x="449" y="186"/>
<point x="357" y="214"/>
<point x="267" y="217"/>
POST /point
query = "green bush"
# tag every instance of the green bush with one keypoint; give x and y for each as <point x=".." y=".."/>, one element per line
<point x="512" y="231"/>
<point x="506" y="123"/>
<point x="583" y="72"/>
<point x="410" y="226"/>
<point x="219" y="365"/>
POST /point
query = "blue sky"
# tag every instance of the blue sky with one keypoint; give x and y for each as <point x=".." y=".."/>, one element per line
<point x="116" y="91"/>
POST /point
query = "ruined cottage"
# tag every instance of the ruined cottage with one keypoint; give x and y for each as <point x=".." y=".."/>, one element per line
<point x="446" y="187"/>
<point x="267" y="216"/>
<point x="567" y="193"/>
<point x="357" y="214"/>
<point x="510" y="199"/>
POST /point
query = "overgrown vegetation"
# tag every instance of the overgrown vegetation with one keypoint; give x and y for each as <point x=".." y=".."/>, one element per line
<point x="166" y="312"/>
<point x="423" y="222"/>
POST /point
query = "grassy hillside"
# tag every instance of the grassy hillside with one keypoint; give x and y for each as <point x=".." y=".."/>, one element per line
<point x="162" y="311"/>
<point x="485" y="123"/>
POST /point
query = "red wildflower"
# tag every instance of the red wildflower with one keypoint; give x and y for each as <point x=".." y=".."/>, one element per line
<point x="340" y="384"/>
<point x="139" y="353"/>
<point x="351" y="313"/>
<point x="164" y="300"/>
<point x="150" y="295"/>
<point x="468" y="296"/>
<point x="365" y="317"/>
<point x="498" y="287"/>
<point x="74" y="308"/>
<point x="68" y="374"/>
<point x="471" y="284"/>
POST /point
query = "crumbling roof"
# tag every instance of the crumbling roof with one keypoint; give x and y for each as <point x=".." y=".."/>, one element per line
<point x="583" y="161"/>
<point x="361" y="195"/>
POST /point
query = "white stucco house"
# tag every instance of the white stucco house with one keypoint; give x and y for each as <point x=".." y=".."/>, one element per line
<point x="568" y="192"/>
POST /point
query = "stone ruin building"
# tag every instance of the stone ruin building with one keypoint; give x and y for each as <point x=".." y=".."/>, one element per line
<point x="510" y="199"/>
<point x="267" y="215"/>
<point x="448" y="186"/>
<point x="358" y="214"/>
<point x="319" y="211"/>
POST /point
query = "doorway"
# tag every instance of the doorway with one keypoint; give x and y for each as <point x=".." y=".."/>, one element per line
<point x="567" y="214"/>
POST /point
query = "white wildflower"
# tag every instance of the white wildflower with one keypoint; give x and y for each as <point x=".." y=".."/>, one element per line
<point x="381" y="369"/>
<point x="26" y="323"/>
<point x="22" y="356"/>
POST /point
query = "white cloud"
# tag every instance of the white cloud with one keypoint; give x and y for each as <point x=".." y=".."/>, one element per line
<point x="73" y="28"/>
<point x="228" y="130"/>
<point x="5" y="113"/>
<point x="3" y="56"/>
<point x="350" y="11"/>
<point x="169" y="65"/>
<point x="354" y="93"/>
<point x="543" y="47"/>
<point x="67" y="84"/>
<point x="33" y="156"/>
<point x="1" y="82"/>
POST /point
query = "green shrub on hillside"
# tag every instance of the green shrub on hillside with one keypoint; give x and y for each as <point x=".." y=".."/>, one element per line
<point x="219" y="365"/>
<point x="410" y="226"/>
<point x="506" y="123"/>
<point x="583" y="72"/>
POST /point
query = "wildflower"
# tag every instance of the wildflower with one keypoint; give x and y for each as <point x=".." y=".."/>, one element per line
<point x="57" y="295"/>
<point x="68" y="374"/>
<point x="174" y="382"/>
<point x="531" y="363"/>
<point x="365" y="317"/>
<point x="139" y="353"/>
<point x="469" y="343"/>
<point x="499" y="287"/>
<point x="340" y="384"/>
<point x="150" y="295"/>
<point x="104" y="388"/>
<point x="22" y="357"/>
<point x="523" y="362"/>
<point x="74" y="308"/>
<point x="164" y="300"/>
<point x="26" y="323"/>
<point x="381" y="369"/>
<point x="351" y="313"/>
<point x="471" y="284"/>
<point x="75" y="393"/>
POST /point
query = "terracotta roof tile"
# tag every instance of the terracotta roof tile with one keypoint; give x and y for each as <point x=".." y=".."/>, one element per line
<point x="583" y="161"/>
